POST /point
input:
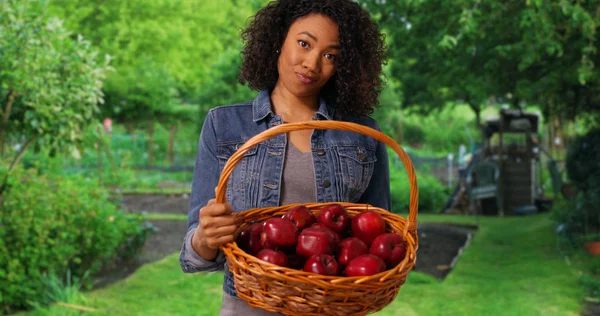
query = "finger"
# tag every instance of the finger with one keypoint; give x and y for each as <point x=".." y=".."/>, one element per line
<point x="212" y="222"/>
<point x="216" y="209"/>
<point x="222" y="231"/>
<point x="225" y="220"/>
<point x="224" y="239"/>
<point x="210" y="202"/>
<point x="215" y="243"/>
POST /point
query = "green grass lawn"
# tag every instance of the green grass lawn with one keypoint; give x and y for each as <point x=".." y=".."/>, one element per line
<point x="511" y="267"/>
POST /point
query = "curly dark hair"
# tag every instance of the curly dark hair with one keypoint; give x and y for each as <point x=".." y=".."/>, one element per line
<point x="355" y="87"/>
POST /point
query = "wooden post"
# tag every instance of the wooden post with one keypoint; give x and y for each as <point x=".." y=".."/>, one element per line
<point x="501" y="164"/>
<point x="171" y="144"/>
<point x="150" y="151"/>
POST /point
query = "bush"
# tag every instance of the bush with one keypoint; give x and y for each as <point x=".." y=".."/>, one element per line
<point x="569" y="217"/>
<point x="51" y="225"/>
<point x="583" y="161"/>
<point x="583" y="170"/>
<point x="432" y="194"/>
<point x="413" y="134"/>
<point x="591" y="283"/>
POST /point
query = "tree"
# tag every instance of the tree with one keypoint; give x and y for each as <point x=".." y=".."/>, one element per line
<point x="51" y="80"/>
<point x="164" y="52"/>
<point x="184" y="39"/>
<point x="517" y="52"/>
<point x="223" y="88"/>
<point x="432" y="67"/>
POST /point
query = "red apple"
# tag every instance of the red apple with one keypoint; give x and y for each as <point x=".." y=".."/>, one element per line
<point x="264" y="243"/>
<point x="321" y="226"/>
<point x="273" y="256"/>
<point x="249" y="238"/>
<point x="279" y="232"/>
<point x="321" y="264"/>
<point x="349" y="249"/>
<point x="367" y="226"/>
<point x="315" y="241"/>
<point x="335" y="217"/>
<point x="301" y="216"/>
<point x="389" y="247"/>
<point x="365" y="265"/>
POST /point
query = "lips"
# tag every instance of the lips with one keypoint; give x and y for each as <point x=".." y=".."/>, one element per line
<point x="304" y="78"/>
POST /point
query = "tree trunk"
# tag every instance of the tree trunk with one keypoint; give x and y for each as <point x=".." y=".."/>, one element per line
<point x="171" y="144"/>
<point x="14" y="163"/>
<point x="557" y="138"/>
<point x="10" y="98"/>
<point x="400" y="130"/>
<point x="129" y="127"/>
<point x="477" y="111"/>
<point x="108" y="153"/>
<point x="150" y="151"/>
<point x="516" y="103"/>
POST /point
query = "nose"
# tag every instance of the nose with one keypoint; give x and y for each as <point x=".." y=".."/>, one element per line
<point x="312" y="61"/>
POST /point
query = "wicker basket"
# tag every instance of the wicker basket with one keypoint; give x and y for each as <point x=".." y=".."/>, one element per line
<point x="294" y="292"/>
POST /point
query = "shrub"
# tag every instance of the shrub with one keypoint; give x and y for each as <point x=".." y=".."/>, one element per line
<point x="583" y="170"/>
<point x="591" y="283"/>
<point x="583" y="161"/>
<point x="413" y="134"/>
<point x="51" y="225"/>
<point x="432" y="194"/>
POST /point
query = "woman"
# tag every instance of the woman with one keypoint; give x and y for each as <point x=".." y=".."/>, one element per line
<point x="310" y="60"/>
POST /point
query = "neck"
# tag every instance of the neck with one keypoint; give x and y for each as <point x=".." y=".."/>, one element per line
<point x="293" y="108"/>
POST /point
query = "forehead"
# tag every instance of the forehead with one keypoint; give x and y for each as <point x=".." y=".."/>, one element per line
<point x="318" y="25"/>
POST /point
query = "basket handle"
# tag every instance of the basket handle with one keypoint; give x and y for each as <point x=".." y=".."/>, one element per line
<point x="329" y="124"/>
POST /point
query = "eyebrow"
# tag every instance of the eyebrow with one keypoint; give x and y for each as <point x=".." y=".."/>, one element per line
<point x="316" y="40"/>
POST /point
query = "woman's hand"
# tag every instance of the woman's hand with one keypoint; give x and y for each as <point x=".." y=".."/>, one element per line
<point x="217" y="227"/>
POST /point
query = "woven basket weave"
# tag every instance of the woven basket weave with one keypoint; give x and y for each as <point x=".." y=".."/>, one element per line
<point x="294" y="292"/>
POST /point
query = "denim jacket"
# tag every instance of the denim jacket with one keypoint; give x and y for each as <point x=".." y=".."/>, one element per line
<point x="349" y="167"/>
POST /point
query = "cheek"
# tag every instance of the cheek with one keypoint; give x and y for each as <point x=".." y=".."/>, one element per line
<point x="329" y="71"/>
<point x="292" y="57"/>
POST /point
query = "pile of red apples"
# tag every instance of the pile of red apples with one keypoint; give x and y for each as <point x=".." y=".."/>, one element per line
<point x="332" y="243"/>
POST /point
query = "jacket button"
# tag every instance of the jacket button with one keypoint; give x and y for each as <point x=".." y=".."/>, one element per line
<point x="320" y="152"/>
<point x="361" y="156"/>
<point x="326" y="183"/>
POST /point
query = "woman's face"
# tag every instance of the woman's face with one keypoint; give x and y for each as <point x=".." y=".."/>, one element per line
<point x="308" y="55"/>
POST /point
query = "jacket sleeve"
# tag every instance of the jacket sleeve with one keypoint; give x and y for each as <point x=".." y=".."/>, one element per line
<point x="206" y="177"/>
<point x="378" y="192"/>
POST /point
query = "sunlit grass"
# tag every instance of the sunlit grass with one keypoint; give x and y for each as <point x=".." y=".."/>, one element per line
<point x="511" y="267"/>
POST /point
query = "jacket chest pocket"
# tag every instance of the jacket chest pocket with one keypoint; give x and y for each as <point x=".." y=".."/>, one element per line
<point x="243" y="173"/>
<point x="356" y="167"/>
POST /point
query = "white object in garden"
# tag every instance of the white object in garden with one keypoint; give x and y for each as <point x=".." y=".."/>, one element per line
<point x="462" y="151"/>
<point x="450" y="159"/>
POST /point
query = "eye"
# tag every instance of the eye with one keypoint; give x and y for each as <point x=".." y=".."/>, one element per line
<point x="331" y="57"/>
<point x="303" y="43"/>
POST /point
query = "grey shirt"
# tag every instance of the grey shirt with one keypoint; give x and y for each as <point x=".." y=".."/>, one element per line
<point x="298" y="187"/>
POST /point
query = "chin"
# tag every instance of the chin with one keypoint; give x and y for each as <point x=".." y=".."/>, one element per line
<point x="298" y="89"/>
<point x="303" y="91"/>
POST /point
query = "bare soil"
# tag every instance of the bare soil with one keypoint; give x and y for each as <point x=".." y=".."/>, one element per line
<point x="439" y="244"/>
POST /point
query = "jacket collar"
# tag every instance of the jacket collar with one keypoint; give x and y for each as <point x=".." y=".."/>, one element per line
<point x="261" y="107"/>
